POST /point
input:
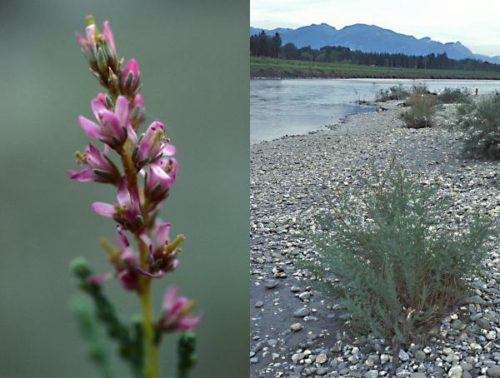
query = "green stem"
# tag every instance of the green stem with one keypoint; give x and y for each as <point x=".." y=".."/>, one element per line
<point x="151" y="369"/>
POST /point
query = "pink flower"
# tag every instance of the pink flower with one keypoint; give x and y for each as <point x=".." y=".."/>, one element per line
<point x="177" y="313"/>
<point x="160" y="176"/>
<point x="136" y="110"/>
<point x="152" y="145"/>
<point x="126" y="212"/>
<point x="89" y="43"/>
<point x="162" y="252"/>
<point x="130" y="77"/>
<point x="113" y="126"/>
<point x="125" y="263"/>
<point x="98" y="167"/>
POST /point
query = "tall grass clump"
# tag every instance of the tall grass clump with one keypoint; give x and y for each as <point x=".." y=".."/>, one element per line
<point x="480" y="122"/>
<point x="421" y="112"/>
<point x="399" y="267"/>
<point x="454" y="96"/>
<point x="397" y="92"/>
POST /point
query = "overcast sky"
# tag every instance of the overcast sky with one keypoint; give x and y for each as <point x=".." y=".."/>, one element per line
<point x="475" y="23"/>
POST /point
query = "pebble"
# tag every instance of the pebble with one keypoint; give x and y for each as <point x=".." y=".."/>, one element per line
<point x="403" y="356"/>
<point x="321" y="358"/>
<point x="493" y="371"/>
<point x="295" y="327"/>
<point x="271" y="284"/>
<point x="301" y="312"/>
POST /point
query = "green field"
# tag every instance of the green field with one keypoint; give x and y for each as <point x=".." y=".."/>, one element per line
<point x="261" y="67"/>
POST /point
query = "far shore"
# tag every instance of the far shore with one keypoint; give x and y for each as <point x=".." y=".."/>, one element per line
<point x="269" y="68"/>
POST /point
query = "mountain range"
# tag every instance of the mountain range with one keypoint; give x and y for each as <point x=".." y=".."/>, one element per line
<point x="371" y="38"/>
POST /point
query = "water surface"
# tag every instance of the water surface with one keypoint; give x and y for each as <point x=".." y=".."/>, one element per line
<point x="298" y="106"/>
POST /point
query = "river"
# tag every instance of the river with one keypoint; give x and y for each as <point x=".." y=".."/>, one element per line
<point x="298" y="106"/>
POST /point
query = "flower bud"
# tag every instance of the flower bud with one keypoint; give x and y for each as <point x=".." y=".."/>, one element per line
<point x="130" y="78"/>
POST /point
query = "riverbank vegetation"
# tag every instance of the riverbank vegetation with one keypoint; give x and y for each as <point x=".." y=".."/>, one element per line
<point x="480" y="122"/>
<point x="264" y="46"/>
<point x="264" y="67"/>
<point x="399" y="266"/>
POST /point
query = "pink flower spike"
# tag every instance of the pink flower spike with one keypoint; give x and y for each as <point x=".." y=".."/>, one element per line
<point x="104" y="209"/>
<point x="108" y="36"/>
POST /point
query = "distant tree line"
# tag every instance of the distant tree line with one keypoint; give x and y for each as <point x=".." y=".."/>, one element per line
<point x="263" y="45"/>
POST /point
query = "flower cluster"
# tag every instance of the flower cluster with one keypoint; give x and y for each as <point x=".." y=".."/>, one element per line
<point x="141" y="167"/>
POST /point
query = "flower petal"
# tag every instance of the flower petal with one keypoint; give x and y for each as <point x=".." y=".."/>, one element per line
<point x="108" y="35"/>
<point x="104" y="209"/>
<point x="123" y="195"/>
<point x="98" y="278"/>
<point x="188" y="322"/>
<point x="168" y="150"/>
<point x="161" y="233"/>
<point x="98" y="105"/>
<point x="122" y="237"/>
<point x="169" y="298"/>
<point x="85" y="175"/>
<point x="91" y="129"/>
<point x="121" y="110"/>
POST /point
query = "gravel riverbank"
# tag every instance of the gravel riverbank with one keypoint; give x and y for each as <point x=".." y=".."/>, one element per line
<point x="294" y="330"/>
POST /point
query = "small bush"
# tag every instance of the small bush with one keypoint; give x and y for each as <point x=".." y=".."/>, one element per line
<point x="421" y="111"/>
<point x="393" y="93"/>
<point x="398" y="266"/>
<point x="454" y="96"/>
<point x="480" y="122"/>
<point x="420" y="90"/>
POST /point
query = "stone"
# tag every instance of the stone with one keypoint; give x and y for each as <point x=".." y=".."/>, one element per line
<point x="297" y="357"/>
<point x="296" y="327"/>
<point x="301" y="312"/>
<point x="259" y="304"/>
<point x="483" y="323"/>
<point x="254" y="360"/>
<point x="403" y="356"/>
<point x="321" y="358"/>
<point x="270" y="284"/>
<point x="384" y="358"/>
<point x="455" y="372"/>
<point x="493" y="371"/>
<point x="420" y="356"/>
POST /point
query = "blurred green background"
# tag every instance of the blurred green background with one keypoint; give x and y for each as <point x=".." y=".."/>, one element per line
<point x="194" y="61"/>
